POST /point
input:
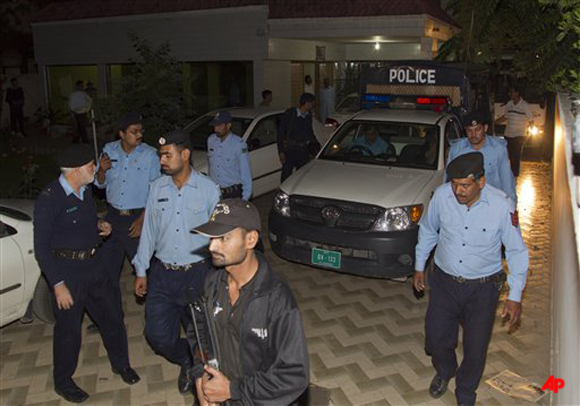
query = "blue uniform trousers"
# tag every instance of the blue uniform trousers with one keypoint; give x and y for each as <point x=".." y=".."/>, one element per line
<point x="472" y="305"/>
<point x="166" y="308"/>
<point x="296" y="158"/>
<point x="119" y="243"/>
<point x="90" y="289"/>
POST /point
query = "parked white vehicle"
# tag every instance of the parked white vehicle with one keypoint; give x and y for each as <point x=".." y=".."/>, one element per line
<point x="356" y="207"/>
<point x="345" y="109"/>
<point x="258" y="126"/>
<point x="20" y="279"/>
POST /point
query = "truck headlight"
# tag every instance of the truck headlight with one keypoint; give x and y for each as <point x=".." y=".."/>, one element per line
<point x="399" y="218"/>
<point x="282" y="204"/>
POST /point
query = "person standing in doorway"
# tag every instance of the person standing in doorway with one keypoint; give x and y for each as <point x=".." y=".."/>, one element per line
<point x="327" y="100"/>
<point x="80" y="104"/>
<point x="519" y="116"/>
<point x="15" y="99"/>
<point x="266" y="98"/>
<point x="295" y="136"/>
<point x="308" y="84"/>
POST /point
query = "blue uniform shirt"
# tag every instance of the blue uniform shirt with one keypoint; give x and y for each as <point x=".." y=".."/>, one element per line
<point x="229" y="163"/>
<point x="469" y="239"/>
<point x="127" y="181"/>
<point x="498" y="172"/>
<point x="170" y="215"/>
<point x="380" y="146"/>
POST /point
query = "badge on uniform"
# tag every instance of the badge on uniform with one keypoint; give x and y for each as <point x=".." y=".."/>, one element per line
<point x="72" y="209"/>
<point x="244" y="150"/>
<point x="163" y="199"/>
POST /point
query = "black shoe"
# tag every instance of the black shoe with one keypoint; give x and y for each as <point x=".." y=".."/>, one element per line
<point x="438" y="387"/>
<point x="128" y="375"/>
<point x="92" y="328"/>
<point x="73" y="394"/>
<point x="185" y="381"/>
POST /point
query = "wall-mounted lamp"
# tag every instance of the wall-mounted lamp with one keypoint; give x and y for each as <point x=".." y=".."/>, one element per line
<point x="377" y="46"/>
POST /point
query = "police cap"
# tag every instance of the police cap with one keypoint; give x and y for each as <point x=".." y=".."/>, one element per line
<point x="128" y="120"/>
<point x="76" y="155"/>
<point x="466" y="166"/>
<point x="177" y="137"/>
<point x="228" y="215"/>
<point x="306" y="97"/>
<point x="474" y="118"/>
<point x="221" y="118"/>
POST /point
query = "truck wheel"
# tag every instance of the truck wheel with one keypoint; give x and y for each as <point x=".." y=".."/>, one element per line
<point x="42" y="302"/>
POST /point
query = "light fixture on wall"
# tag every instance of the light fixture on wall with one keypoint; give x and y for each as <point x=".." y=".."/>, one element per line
<point x="377" y="46"/>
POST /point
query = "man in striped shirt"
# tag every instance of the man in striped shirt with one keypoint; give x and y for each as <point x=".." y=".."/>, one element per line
<point x="519" y="116"/>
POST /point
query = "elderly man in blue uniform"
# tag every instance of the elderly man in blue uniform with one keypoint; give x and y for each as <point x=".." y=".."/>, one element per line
<point x="372" y="144"/>
<point x="259" y="341"/>
<point x="228" y="159"/>
<point x="126" y="168"/>
<point x="178" y="201"/>
<point x="497" y="165"/>
<point x="67" y="238"/>
<point x="468" y="221"/>
<point x="295" y="136"/>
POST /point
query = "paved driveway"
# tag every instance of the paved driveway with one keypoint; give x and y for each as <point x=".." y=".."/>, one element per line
<point x="365" y="336"/>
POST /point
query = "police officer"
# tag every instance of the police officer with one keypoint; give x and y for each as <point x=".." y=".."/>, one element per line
<point x="259" y="340"/>
<point x="178" y="201"/>
<point x="228" y="159"/>
<point x="497" y="165"/>
<point x="67" y="240"/>
<point x="126" y="168"/>
<point x="295" y="136"/>
<point x="468" y="221"/>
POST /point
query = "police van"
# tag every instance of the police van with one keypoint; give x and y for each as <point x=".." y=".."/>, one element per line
<point x="356" y="207"/>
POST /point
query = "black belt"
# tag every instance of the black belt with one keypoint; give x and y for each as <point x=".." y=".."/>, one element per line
<point x="127" y="212"/>
<point x="76" y="255"/>
<point x="181" y="268"/>
<point x="497" y="277"/>
<point x="231" y="189"/>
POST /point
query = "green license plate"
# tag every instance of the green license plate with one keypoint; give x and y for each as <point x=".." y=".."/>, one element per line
<point x="330" y="259"/>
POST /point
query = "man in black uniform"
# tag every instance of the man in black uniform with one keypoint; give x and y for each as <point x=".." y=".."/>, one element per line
<point x="259" y="340"/>
<point x="67" y="238"/>
<point x="295" y="138"/>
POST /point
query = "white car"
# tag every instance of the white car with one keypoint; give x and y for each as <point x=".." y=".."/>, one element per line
<point x="356" y="207"/>
<point x="20" y="279"/>
<point x="258" y="126"/>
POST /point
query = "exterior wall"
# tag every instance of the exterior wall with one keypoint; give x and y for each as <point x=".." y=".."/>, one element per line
<point x="566" y="269"/>
<point x="277" y="79"/>
<point x="194" y="36"/>
<point x="303" y="50"/>
<point x="387" y="51"/>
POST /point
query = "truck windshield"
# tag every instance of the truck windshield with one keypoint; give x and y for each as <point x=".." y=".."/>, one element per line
<point x="385" y="143"/>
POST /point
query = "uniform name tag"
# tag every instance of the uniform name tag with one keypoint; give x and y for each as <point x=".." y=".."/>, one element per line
<point x="72" y="209"/>
<point x="163" y="199"/>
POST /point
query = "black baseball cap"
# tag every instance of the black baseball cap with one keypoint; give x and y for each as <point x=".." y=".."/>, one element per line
<point x="76" y="155"/>
<point x="228" y="215"/>
<point x="221" y="118"/>
<point x="466" y="166"/>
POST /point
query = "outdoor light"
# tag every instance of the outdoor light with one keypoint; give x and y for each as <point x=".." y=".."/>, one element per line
<point x="533" y="130"/>
<point x="377" y="46"/>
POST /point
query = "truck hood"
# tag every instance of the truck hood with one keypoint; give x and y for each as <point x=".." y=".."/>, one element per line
<point x="372" y="184"/>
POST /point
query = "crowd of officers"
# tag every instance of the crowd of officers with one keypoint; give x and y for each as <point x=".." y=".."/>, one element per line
<point x="192" y="242"/>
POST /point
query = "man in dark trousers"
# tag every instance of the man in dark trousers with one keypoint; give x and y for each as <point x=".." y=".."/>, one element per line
<point x="67" y="241"/>
<point x="126" y="168"/>
<point x="259" y="340"/>
<point x="468" y="221"/>
<point x="15" y="99"/>
<point x="295" y="137"/>
<point x="178" y="201"/>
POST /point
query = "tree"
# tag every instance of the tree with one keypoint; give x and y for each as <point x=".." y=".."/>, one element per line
<point x="154" y="88"/>
<point x="539" y="36"/>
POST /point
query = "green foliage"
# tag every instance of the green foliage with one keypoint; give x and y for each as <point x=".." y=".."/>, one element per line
<point x="542" y="37"/>
<point x="153" y="89"/>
